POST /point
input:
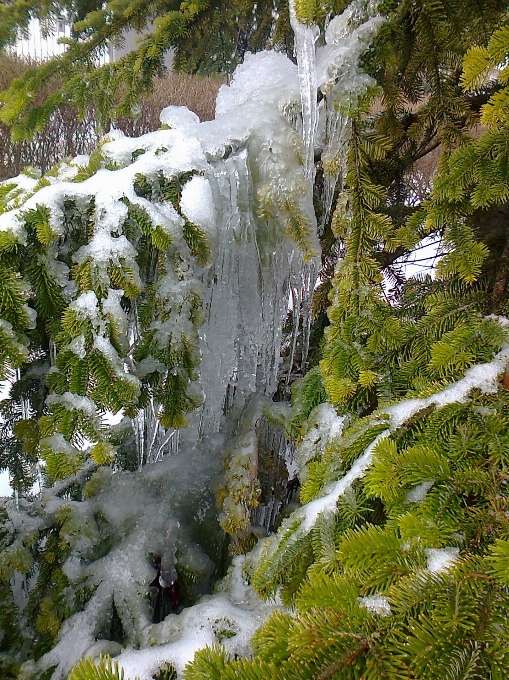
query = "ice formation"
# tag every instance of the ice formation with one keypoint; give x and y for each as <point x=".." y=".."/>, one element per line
<point x="305" y="49"/>
<point x="342" y="83"/>
<point x="334" y="70"/>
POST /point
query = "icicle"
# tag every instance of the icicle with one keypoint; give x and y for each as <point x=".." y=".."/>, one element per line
<point x="334" y="157"/>
<point x="52" y="352"/>
<point x="275" y="472"/>
<point x="301" y="291"/>
<point x="139" y="436"/>
<point x="305" y="40"/>
<point x="245" y="304"/>
<point x="309" y="278"/>
<point x="342" y="82"/>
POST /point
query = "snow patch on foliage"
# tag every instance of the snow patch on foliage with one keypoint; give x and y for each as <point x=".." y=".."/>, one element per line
<point x="377" y="604"/>
<point x="441" y="559"/>
<point x="484" y="377"/>
<point x="197" y="204"/>
<point x="327" y="426"/>
<point x="418" y="493"/>
<point x="328" y="503"/>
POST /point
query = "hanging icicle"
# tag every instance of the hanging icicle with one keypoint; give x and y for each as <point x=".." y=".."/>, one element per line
<point x="305" y="49"/>
<point x="342" y="82"/>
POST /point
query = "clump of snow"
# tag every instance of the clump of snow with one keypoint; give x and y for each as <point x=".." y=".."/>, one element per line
<point x="179" y="118"/>
<point x="327" y="426"/>
<point x="418" y="493"/>
<point x="86" y="305"/>
<point x="77" y="346"/>
<point x="377" y="604"/>
<point x="32" y="316"/>
<point x="72" y="568"/>
<point x="266" y="77"/>
<point x="149" y="365"/>
<point x="441" y="559"/>
<point x="74" y="402"/>
<point x="8" y="331"/>
<point x="111" y="305"/>
<point x="197" y="204"/>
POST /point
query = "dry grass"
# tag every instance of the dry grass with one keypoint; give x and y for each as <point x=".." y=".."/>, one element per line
<point x="67" y="135"/>
<point x="177" y="89"/>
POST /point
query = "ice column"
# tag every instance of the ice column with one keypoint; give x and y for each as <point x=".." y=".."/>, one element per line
<point x="305" y="48"/>
<point x="302" y="290"/>
<point x="245" y="303"/>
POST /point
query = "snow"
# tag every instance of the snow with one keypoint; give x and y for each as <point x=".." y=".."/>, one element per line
<point x="234" y="610"/>
<point x="155" y="511"/>
<point x="377" y="604"/>
<point x="179" y="118"/>
<point x="111" y="305"/>
<point x="418" y="493"/>
<point x="32" y="316"/>
<point x="7" y="329"/>
<point x="483" y="377"/>
<point x="441" y="559"/>
<point x="86" y="305"/>
<point x="265" y="77"/>
<point x="197" y="204"/>
<point x="74" y="402"/>
<point x="327" y="426"/>
<point x="327" y="503"/>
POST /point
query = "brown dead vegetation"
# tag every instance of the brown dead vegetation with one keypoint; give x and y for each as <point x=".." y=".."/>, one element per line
<point x="67" y="135"/>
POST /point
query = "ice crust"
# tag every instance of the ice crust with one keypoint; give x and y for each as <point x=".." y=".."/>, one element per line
<point x="158" y="511"/>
